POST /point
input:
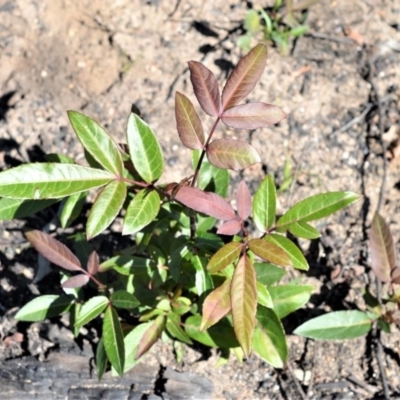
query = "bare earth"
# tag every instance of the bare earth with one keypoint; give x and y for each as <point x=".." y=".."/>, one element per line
<point x="338" y="85"/>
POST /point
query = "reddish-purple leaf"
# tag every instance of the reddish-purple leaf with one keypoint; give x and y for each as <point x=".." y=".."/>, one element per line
<point x="76" y="281"/>
<point x="244" y="77"/>
<point x="243" y="201"/>
<point x="225" y="256"/>
<point x="216" y="305"/>
<point x="188" y="123"/>
<point x="231" y="228"/>
<point x="244" y="302"/>
<point x="93" y="263"/>
<point x="396" y="275"/>
<point x="383" y="252"/>
<point x="205" y="202"/>
<point x="252" y="116"/>
<point x="53" y="250"/>
<point x="205" y="88"/>
<point x="232" y="154"/>
<point x="151" y="335"/>
<point x="269" y="252"/>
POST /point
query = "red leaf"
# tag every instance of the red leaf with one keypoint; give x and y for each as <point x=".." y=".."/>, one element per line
<point x="216" y="305"/>
<point x="252" y="116"/>
<point x="383" y="252"/>
<point x="93" y="263"/>
<point x="205" y="202"/>
<point x="205" y="88"/>
<point x="230" y="228"/>
<point x="244" y="302"/>
<point x="244" y="77"/>
<point x="76" y="281"/>
<point x="152" y="334"/>
<point x="243" y="201"/>
<point x="232" y="154"/>
<point x="395" y="275"/>
<point x="188" y="123"/>
<point x="53" y="250"/>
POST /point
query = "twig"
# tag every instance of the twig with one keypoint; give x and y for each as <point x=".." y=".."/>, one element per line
<point x="311" y="382"/>
<point x="354" y="121"/>
<point x="351" y="378"/>
<point x="324" y="36"/>
<point x="296" y="381"/>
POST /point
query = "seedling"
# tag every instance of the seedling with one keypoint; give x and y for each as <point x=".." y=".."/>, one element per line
<point x="198" y="269"/>
<point x="279" y="24"/>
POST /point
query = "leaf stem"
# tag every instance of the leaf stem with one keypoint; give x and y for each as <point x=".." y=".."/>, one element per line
<point x="204" y="151"/>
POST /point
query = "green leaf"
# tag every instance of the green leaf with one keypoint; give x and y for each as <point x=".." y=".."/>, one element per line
<point x="317" y="207"/>
<point x="91" y="309"/>
<point x="296" y="256"/>
<point x="19" y="208"/>
<point x="142" y="210"/>
<point x="252" y="21"/>
<point x="263" y="296"/>
<point x="105" y="208"/>
<point x="101" y="359"/>
<point x="203" y="280"/>
<point x="72" y="208"/>
<point x="144" y="149"/>
<point x="216" y="305"/>
<point x="213" y="179"/>
<point x="303" y="230"/>
<point x="269" y="252"/>
<point x="220" y="335"/>
<point x="338" y="325"/>
<point x="123" y="299"/>
<point x="264" y="204"/>
<point x="97" y="142"/>
<point x="43" y="307"/>
<point x="113" y="338"/>
<point x="244" y="302"/>
<point x="289" y="298"/>
<point x="268" y="274"/>
<point x="50" y="181"/>
<point x="224" y="256"/>
<point x="269" y="340"/>
<point x="175" y="329"/>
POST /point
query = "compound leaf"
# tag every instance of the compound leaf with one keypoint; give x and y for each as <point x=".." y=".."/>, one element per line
<point x="232" y="154"/>
<point x="53" y="250"/>
<point x="264" y="204"/>
<point x="244" y="302"/>
<point x="97" y="142"/>
<point x="50" y="181"/>
<point x="43" y="307"/>
<point x="269" y="252"/>
<point x="216" y="305"/>
<point x="144" y="149"/>
<point x="106" y="207"/>
<point x="113" y="339"/>
<point x="338" y="325"/>
<point x="142" y="210"/>
<point x="205" y="202"/>
<point x="188" y="123"/>
<point x="244" y="77"/>
<point x="252" y="116"/>
<point x="205" y="88"/>
<point x="383" y="251"/>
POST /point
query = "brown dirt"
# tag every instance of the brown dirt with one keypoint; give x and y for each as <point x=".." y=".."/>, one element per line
<point x="100" y="57"/>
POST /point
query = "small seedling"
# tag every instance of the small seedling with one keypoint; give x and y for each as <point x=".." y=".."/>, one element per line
<point x="198" y="269"/>
<point x="279" y="24"/>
